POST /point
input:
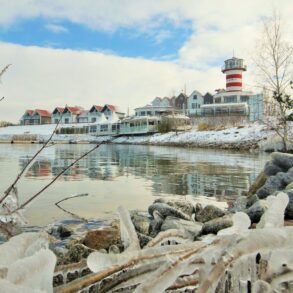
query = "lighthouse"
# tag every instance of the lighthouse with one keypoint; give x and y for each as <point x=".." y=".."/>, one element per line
<point x="233" y="69"/>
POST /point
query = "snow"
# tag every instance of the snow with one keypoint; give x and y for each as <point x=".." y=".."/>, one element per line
<point x="251" y="133"/>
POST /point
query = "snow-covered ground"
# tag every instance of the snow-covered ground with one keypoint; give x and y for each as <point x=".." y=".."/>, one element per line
<point x="236" y="137"/>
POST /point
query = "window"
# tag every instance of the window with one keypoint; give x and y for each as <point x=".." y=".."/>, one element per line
<point x="230" y="99"/>
<point x="218" y="100"/>
<point x="66" y="120"/>
<point x="56" y="120"/>
<point x="93" y="128"/>
<point x="149" y="113"/>
<point x="195" y="97"/>
<point x="94" y="119"/>
<point x="142" y="113"/>
<point x="113" y="127"/>
<point x="104" y="127"/>
<point x="193" y="105"/>
<point x="244" y="99"/>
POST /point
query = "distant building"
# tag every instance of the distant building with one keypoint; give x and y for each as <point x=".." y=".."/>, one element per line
<point x="82" y="116"/>
<point x="151" y="110"/>
<point x="180" y="103"/>
<point x="234" y="101"/>
<point x="70" y="114"/>
<point x="111" y="110"/>
<point x="161" y="102"/>
<point x="36" y="117"/>
<point x="94" y="113"/>
<point x="194" y="103"/>
<point x="56" y="114"/>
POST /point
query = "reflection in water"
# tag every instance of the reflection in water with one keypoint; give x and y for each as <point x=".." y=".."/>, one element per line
<point x="170" y="170"/>
<point x="123" y="174"/>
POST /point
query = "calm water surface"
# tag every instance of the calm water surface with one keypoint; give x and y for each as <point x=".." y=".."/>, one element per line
<point x="123" y="174"/>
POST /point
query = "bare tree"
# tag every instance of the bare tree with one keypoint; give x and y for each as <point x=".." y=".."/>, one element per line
<point x="274" y="63"/>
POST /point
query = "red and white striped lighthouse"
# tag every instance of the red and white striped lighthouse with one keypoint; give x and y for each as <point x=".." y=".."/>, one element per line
<point x="233" y="69"/>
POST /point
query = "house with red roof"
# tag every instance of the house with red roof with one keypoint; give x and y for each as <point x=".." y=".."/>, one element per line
<point x="70" y="114"/>
<point x="94" y="113"/>
<point x="111" y="110"/>
<point x="56" y="114"/>
<point x="36" y="117"/>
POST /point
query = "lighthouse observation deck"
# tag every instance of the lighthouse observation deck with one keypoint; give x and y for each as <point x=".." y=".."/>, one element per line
<point x="234" y="64"/>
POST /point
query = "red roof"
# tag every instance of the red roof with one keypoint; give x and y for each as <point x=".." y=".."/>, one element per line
<point x="43" y="113"/>
<point x="98" y="108"/>
<point x="30" y="112"/>
<point x="112" y="108"/>
<point x="59" y="109"/>
<point x="75" y="110"/>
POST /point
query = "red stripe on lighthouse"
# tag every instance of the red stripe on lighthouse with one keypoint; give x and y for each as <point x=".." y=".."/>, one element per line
<point x="228" y="76"/>
<point x="230" y="84"/>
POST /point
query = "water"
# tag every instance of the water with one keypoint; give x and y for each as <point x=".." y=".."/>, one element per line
<point x="129" y="175"/>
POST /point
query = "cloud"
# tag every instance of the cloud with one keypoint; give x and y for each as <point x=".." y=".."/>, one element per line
<point x="46" y="77"/>
<point x="56" y="28"/>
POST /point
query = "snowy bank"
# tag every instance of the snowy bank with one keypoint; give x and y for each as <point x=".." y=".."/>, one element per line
<point x="252" y="136"/>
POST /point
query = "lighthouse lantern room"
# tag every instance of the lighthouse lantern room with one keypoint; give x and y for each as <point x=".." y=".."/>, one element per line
<point x="233" y="69"/>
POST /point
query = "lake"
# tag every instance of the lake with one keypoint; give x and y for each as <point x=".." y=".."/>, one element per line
<point x="129" y="175"/>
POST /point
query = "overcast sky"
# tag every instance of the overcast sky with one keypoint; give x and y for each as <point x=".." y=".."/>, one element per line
<point x="123" y="52"/>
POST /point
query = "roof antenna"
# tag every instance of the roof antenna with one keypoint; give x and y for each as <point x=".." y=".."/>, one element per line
<point x="233" y="54"/>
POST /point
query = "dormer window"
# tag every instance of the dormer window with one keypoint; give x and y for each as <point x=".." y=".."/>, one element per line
<point x="195" y="97"/>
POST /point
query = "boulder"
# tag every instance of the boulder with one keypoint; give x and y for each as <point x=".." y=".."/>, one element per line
<point x="184" y="206"/>
<point x="114" y="249"/>
<point x="143" y="239"/>
<point x="283" y="160"/>
<point x="215" y="225"/>
<point x="271" y="169"/>
<point x="272" y="184"/>
<point x="63" y="231"/>
<point x="76" y="253"/>
<point x="166" y="210"/>
<point x="155" y="224"/>
<point x="289" y="186"/>
<point x="208" y="213"/>
<point x="256" y="211"/>
<point x="289" y="208"/>
<point x="251" y="200"/>
<point x="258" y="183"/>
<point x="140" y="221"/>
<point x="193" y="229"/>
<point x="102" y="239"/>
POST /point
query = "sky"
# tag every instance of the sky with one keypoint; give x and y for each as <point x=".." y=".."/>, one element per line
<point x="123" y="52"/>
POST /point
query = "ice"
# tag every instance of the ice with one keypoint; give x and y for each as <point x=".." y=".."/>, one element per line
<point x="280" y="260"/>
<point x="7" y="287"/>
<point x="21" y="246"/>
<point x="274" y="215"/>
<point x="35" y="271"/>
<point x="241" y="223"/>
<point x="127" y="230"/>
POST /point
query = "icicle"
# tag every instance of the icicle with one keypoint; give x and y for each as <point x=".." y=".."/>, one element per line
<point x="274" y="215"/>
<point x="172" y="234"/>
<point x="241" y="223"/>
<point x="127" y="230"/>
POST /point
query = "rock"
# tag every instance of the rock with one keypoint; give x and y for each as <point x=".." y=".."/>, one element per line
<point x="251" y="200"/>
<point x="165" y="210"/>
<point x="114" y="249"/>
<point x="141" y="222"/>
<point x="283" y="160"/>
<point x="184" y="206"/>
<point x="102" y="239"/>
<point x="215" y="225"/>
<point x="272" y="184"/>
<point x="63" y="232"/>
<point x="77" y="252"/>
<point x="155" y="224"/>
<point x="239" y="204"/>
<point x="258" y="183"/>
<point x="191" y="228"/>
<point x="289" y="208"/>
<point x="289" y="186"/>
<point x="143" y="239"/>
<point x="256" y="211"/>
<point x="271" y="169"/>
<point x="208" y="213"/>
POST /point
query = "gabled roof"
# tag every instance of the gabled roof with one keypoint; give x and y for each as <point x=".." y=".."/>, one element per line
<point x="83" y="113"/>
<point x="98" y="108"/>
<point x="58" y="109"/>
<point x="29" y="112"/>
<point x="112" y="108"/>
<point x="42" y="113"/>
<point x="74" y="110"/>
